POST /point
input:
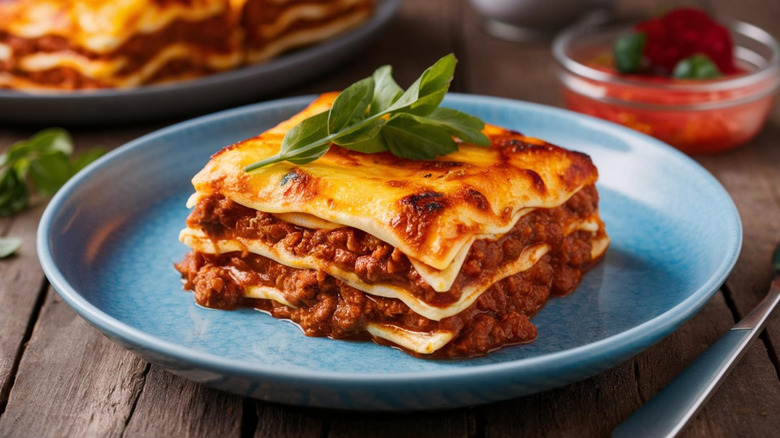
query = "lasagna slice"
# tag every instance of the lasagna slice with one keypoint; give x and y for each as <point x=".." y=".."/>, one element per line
<point x="274" y="26"/>
<point x="442" y="258"/>
<point x="76" y="44"/>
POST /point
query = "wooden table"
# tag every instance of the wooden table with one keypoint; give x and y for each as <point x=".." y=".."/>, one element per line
<point x="60" y="377"/>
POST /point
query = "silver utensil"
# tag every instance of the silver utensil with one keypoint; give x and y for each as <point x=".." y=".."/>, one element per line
<point x="666" y="414"/>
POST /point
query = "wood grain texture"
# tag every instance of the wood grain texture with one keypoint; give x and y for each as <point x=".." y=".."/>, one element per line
<point x="605" y="400"/>
<point x="455" y="424"/>
<point x="72" y="381"/>
<point x="278" y="421"/>
<point x="21" y="276"/>
<point x="21" y="281"/>
<point x="751" y="174"/>
<point x="172" y="406"/>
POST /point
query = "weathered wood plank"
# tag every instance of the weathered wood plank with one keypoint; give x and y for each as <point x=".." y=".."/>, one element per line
<point x="455" y="423"/>
<point x="172" y="406"/>
<point x="595" y="406"/>
<point x="21" y="276"/>
<point x="21" y="280"/>
<point x="745" y="403"/>
<point x="278" y="421"/>
<point x="71" y="380"/>
<point x="752" y="387"/>
<point x="751" y="174"/>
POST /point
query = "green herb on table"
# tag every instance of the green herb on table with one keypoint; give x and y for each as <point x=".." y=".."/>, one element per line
<point x="375" y="115"/>
<point x="9" y="245"/>
<point x="38" y="165"/>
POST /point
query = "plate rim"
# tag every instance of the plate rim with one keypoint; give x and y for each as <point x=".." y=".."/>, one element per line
<point x="621" y="345"/>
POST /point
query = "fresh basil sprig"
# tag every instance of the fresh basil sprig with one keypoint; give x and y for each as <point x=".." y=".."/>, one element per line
<point x="41" y="164"/>
<point x="375" y="115"/>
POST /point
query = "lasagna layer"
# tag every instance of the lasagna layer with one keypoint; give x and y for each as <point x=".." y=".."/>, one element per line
<point x="218" y="225"/>
<point x="323" y="305"/>
<point x="429" y="210"/>
<point x="274" y="27"/>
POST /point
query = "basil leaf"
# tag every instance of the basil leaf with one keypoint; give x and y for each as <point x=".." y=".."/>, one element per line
<point x="48" y="140"/>
<point x="52" y="139"/>
<point x="464" y="126"/>
<point x="427" y="92"/>
<point x="375" y="114"/>
<point x="9" y="245"/>
<point x="386" y="90"/>
<point x="697" y="66"/>
<point x="50" y="171"/>
<point x="365" y="136"/>
<point x="370" y="145"/>
<point x="407" y="138"/>
<point x="304" y="143"/>
<point x="434" y="85"/>
<point x="312" y="129"/>
<point x="628" y="52"/>
<point x="350" y="105"/>
<point x="14" y="196"/>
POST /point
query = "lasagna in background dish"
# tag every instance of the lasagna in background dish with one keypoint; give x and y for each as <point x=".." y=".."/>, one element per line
<point x="86" y="44"/>
<point x="274" y="26"/>
<point x="442" y="258"/>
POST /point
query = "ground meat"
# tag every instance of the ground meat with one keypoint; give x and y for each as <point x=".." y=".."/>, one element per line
<point x="326" y="306"/>
<point x="375" y="261"/>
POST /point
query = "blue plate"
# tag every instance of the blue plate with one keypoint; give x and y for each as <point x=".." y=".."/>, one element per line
<point x="108" y="241"/>
<point x="196" y="96"/>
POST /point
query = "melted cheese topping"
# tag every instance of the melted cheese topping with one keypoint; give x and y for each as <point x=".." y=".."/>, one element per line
<point x="97" y="25"/>
<point x="430" y="210"/>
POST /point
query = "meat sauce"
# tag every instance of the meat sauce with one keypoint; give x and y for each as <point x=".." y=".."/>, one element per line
<point x="375" y="261"/>
<point x="326" y="306"/>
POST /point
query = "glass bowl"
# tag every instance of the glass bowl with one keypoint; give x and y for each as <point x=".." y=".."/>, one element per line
<point x="695" y="116"/>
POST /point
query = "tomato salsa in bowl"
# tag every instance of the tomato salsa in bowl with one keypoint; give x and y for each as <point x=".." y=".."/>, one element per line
<point x="694" y="115"/>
